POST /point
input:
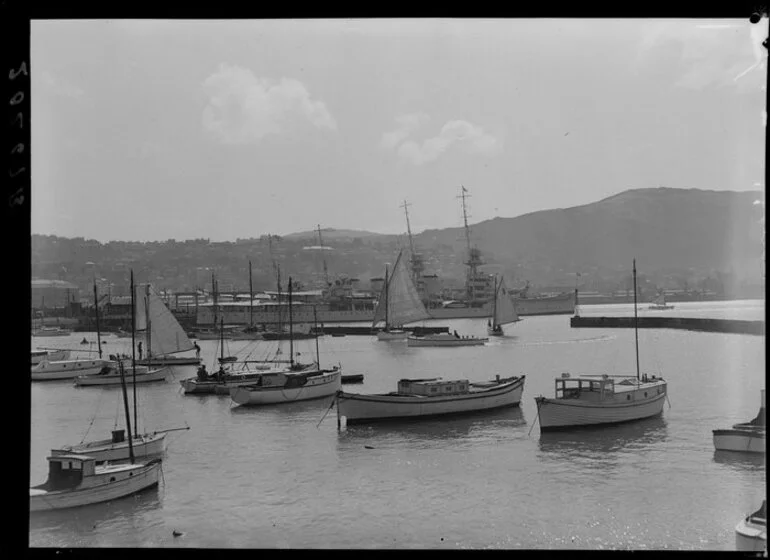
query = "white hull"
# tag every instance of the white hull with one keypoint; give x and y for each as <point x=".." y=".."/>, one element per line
<point x="750" y="537"/>
<point x="661" y="307"/>
<point x="358" y="409"/>
<point x="105" y="450"/>
<point x="52" y="356"/>
<point x="114" y="378"/>
<point x="392" y="335"/>
<point x="444" y="341"/>
<point x="567" y="413"/>
<point x="746" y="441"/>
<point x="67" y="369"/>
<point x="140" y="478"/>
<point x="318" y="386"/>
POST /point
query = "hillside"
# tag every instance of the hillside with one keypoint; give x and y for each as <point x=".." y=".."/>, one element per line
<point x="679" y="237"/>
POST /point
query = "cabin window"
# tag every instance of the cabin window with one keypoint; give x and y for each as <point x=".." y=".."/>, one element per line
<point x="645" y="393"/>
<point x="130" y="474"/>
<point x="448" y="388"/>
<point x="433" y="389"/>
<point x="112" y="479"/>
<point x="628" y="397"/>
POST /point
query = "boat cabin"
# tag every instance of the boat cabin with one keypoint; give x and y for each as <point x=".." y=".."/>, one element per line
<point x="597" y="387"/>
<point x="67" y="471"/>
<point x="432" y="387"/>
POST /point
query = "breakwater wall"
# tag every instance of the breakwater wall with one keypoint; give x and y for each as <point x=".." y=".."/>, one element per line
<point x="686" y="323"/>
<point x="369" y="331"/>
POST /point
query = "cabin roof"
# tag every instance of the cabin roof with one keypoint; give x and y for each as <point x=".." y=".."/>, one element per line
<point x="70" y="457"/>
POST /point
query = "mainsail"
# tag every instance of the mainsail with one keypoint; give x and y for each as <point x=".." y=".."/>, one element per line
<point x="505" y="312"/>
<point x="403" y="301"/>
<point x="166" y="335"/>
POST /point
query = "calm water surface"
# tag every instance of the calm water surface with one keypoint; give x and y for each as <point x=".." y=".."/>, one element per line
<point x="273" y="477"/>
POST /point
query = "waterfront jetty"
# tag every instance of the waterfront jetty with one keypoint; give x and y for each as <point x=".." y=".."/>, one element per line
<point x="687" y="323"/>
<point x="369" y="331"/>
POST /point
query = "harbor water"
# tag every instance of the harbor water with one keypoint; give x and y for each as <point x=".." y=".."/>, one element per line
<point x="283" y="476"/>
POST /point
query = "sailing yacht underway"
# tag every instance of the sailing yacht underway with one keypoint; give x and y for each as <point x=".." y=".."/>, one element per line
<point x="399" y="303"/>
<point x="503" y="311"/>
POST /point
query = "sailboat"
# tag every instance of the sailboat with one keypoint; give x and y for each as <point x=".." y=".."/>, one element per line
<point x="751" y="532"/>
<point x="503" y="311"/>
<point x="590" y="400"/>
<point x="747" y="437"/>
<point x="117" y="448"/>
<point x="300" y="382"/>
<point x="163" y="334"/>
<point x="399" y="303"/>
<point x="659" y="303"/>
<point x="75" y="480"/>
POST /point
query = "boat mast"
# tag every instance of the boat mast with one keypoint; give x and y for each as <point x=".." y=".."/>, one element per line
<point x="214" y="297"/>
<point x="251" y="299"/>
<point x="291" y="330"/>
<point x="387" y="288"/>
<point x="123" y="371"/>
<point x="494" y="312"/>
<point x="277" y="270"/>
<point x="315" y="329"/>
<point x="473" y="254"/>
<point x="636" y="326"/>
<point x="221" y="340"/>
<point x="96" y="311"/>
<point x="148" y="329"/>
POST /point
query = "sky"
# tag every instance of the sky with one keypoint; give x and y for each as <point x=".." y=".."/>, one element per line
<point x="170" y="129"/>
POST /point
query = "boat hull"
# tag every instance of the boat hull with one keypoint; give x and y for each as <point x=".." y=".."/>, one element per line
<point x="444" y="341"/>
<point x="741" y="440"/>
<point x="66" y="369"/>
<point x="750" y="537"/>
<point x="114" y="378"/>
<point x="144" y="445"/>
<point x="316" y="387"/>
<point x="169" y="361"/>
<point x="392" y="335"/>
<point x="557" y="414"/>
<point x="141" y="477"/>
<point x="362" y="409"/>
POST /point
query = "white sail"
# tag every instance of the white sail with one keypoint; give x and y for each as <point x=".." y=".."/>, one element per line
<point x="166" y="334"/>
<point x="505" y="312"/>
<point x="403" y="301"/>
<point x="660" y="300"/>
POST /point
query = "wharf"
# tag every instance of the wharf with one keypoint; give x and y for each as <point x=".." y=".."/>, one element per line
<point x="369" y="331"/>
<point x="691" y="324"/>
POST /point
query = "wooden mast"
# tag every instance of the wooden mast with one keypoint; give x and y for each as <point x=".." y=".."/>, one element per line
<point x="251" y="299"/>
<point x="291" y="329"/>
<point x="636" y="326"/>
<point x="96" y="311"/>
<point x="123" y="372"/>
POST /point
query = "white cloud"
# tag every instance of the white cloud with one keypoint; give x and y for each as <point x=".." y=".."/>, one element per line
<point x="243" y="108"/>
<point x="468" y="136"/>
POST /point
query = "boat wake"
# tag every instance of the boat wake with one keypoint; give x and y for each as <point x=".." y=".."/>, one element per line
<point x="602" y="338"/>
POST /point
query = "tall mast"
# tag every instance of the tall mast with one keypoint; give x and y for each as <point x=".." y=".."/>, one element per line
<point x="315" y="329"/>
<point x="221" y="340"/>
<point x="251" y="299"/>
<point x="123" y="371"/>
<point x="494" y="309"/>
<point x="277" y="270"/>
<point x="386" y="297"/>
<point x="96" y="311"/>
<point x="474" y="257"/>
<point x="214" y="296"/>
<point x="321" y="243"/>
<point x="408" y="229"/>
<point x="636" y="327"/>
<point x="291" y="329"/>
<point x="148" y="326"/>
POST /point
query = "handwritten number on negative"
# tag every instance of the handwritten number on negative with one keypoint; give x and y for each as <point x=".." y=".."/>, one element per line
<point x="13" y="74"/>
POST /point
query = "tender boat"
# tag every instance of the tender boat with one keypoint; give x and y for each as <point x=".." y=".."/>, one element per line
<point x="751" y="532"/>
<point x="353" y="378"/>
<point x="116" y="449"/>
<point x="111" y="376"/>
<point x="422" y="398"/>
<point x="445" y="339"/>
<point x="76" y="480"/>
<point x="38" y="356"/>
<point x="503" y="310"/>
<point x="747" y="437"/>
<point x="66" y="369"/>
<point x="398" y="304"/>
<point x="274" y="388"/>
<point x="591" y="400"/>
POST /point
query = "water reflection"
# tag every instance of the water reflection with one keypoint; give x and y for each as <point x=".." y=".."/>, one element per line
<point x="86" y="519"/>
<point x="740" y="461"/>
<point x="601" y="440"/>
<point x="472" y="425"/>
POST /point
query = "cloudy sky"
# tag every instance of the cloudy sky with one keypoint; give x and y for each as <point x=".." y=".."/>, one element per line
<point x="151" y="130"/>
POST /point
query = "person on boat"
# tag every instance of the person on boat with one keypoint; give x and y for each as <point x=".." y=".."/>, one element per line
<point x="456" y="335"/>
<point x="202" y="373"/>
<point x="197" y="350"/>
<point x="139" y="349"/>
